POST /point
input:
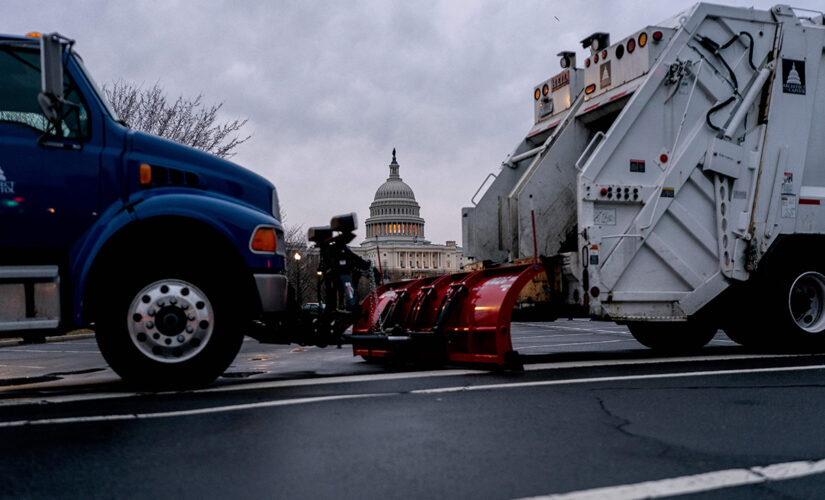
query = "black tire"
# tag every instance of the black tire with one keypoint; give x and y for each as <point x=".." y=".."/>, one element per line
<point x="672" y="337"/>
<point x="749" y="333"/>
<point x="171" y="327"/>
<point x="797" y="304"/>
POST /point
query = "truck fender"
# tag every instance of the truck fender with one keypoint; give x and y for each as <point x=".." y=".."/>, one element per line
<point x="232" y="221"/>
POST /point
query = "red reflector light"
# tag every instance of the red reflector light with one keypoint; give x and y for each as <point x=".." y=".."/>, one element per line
<point x="603" y="192"/>
<point x="590" y="88"/>
<point x="631" y="45"/>
<point x="587" y="63"/>
<point x="595" y="291"/>
<point x="663" y="158"/>
<point x="596" y="58"/>
<point x="604" y="54"/>
<point x="657" y="36"/>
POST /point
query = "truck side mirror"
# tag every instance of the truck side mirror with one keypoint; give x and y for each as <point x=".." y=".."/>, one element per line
<point x="51" y="71"/>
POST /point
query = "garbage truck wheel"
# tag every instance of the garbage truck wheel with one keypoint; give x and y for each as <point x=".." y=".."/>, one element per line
<point x="170" y="328"/>
<point x="799" y="298"/>
<point x="672" y="337"/>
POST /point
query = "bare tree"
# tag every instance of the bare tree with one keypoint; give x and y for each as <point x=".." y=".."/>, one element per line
<point x="301" y="272"/>
<point x="183" y="120"/>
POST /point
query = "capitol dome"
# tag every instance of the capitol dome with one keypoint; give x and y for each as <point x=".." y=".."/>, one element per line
<point x="394" y="213"/>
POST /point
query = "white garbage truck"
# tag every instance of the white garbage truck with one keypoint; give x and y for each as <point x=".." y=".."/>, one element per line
<point x="676" y="182"/>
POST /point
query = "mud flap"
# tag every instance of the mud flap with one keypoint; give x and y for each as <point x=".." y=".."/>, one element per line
<point x="459" y="318"/>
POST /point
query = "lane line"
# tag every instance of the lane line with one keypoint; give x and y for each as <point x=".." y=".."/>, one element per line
<point x="297" y="401"/>
<point x="594" y="380"/>
<point x="378" y="377"/>
<point x="653" y="361"/>
<point x="186" y="413"/>
<point x="524" y="338"/>
<point x="545" y="346"/>
<point x="696" y="483"/>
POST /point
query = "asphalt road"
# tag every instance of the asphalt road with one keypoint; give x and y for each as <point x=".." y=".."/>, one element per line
<point x="592" y="410"/>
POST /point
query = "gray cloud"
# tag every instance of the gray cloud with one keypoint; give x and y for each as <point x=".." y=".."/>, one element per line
<point x="331" y="87"/>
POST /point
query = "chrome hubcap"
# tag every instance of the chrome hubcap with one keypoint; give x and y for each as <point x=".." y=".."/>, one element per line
<point x="170" y="321"/>
<point x="806" y="302"/>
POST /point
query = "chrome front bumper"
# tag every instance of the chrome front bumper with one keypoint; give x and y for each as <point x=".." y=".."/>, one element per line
<point x="272" y="289"/>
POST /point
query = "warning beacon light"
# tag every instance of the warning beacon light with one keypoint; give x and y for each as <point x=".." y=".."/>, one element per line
<point x="596" y="42"/>
<point x="568" y="59"/>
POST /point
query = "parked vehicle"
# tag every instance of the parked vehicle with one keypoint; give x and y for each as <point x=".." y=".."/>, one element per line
<point x="676" y="184"/>
<point x="169" y="253"/>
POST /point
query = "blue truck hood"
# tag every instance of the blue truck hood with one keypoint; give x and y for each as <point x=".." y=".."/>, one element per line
<point x="214" y="174"/>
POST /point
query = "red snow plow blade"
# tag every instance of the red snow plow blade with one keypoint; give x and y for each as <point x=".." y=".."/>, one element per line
<point x="462" y="318"/>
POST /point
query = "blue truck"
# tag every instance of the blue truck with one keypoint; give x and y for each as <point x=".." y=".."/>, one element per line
<point x="170" y="254"/>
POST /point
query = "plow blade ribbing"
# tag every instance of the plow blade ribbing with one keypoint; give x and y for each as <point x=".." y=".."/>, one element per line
<point x="463" y="317"/>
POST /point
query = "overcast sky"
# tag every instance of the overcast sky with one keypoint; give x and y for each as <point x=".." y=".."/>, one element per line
<point x="330" y="88"/>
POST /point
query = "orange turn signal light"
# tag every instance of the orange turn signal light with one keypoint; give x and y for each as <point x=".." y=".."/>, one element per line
<point x="145" y="174"/>
<point x="642" y="39"/>
<point x="264" y="240"/>
<point x="33" y="34"/>
<point x="590" y="88"/>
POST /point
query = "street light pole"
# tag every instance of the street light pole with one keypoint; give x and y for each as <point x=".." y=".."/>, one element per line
<point x="297" y="258"/>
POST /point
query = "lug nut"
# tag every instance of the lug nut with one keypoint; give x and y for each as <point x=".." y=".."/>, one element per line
<point x="150" y="312"/>
<point x="180" y="338"/>
<point x="173" y="300"/>
<point x="150" y="325"/>
<point x="189" y="329"/>
<point x="191" y="317"/>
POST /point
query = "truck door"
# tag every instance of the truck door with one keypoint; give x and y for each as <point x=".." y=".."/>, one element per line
<point x="48" y="185"/>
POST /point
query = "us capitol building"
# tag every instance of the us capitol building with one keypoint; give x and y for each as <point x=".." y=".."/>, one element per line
<point x="396" y="230"/>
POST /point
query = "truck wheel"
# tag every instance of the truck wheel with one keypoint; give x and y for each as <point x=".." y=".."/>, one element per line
<point x="170" y="329"/>
<point x="748" y="334"/>
<point x="672" y="337"/>
<point x="800" y="300"/>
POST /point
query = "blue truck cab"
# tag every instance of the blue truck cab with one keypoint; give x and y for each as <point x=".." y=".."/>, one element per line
<point x="170" y="254"/>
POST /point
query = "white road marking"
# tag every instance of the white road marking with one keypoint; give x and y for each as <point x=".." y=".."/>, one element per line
<point x="297" y="401"/>
<point x="185" y="413"/>
<point x="376" y="377"/>
<point x="593" y="380"/>
<point x="527" y="338"/>
<point x="545" y="346"/>
<point x="696" y="483"/>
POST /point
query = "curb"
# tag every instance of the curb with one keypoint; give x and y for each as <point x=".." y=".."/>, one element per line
<point x="17" y="341"/>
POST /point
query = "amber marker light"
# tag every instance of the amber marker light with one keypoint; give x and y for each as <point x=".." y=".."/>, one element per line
<point x="33" y="34"/>
<point x="264" y="240"/>
<point x="537" y="94"/>
<point x="590" y="88"/>
<point x="642" y="39"/>
<point x="545" y="90"/>
<point x="145" y="174"/>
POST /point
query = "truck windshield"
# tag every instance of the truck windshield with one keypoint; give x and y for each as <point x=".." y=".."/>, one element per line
<point x="100" y="94"/>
